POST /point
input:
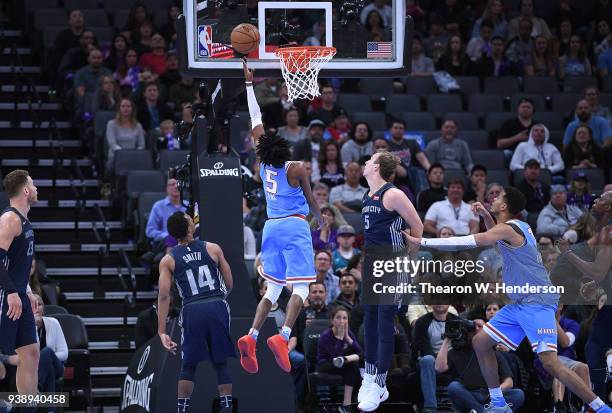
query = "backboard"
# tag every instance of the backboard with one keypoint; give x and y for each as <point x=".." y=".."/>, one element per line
<point x="372" y="39"/>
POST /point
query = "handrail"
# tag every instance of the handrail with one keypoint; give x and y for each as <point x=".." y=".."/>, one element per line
<point x="80" y="198"/>
<point x="128" y="301"/>
<point x="58" y="158"/>
<point x="126" y="261"/>
<point x="105" y="226"/>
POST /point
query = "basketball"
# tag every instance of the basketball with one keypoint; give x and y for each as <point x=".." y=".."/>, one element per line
<point x="245" y="38"/>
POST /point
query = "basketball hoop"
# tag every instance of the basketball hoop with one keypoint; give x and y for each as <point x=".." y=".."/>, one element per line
<point x="300" y="67"/>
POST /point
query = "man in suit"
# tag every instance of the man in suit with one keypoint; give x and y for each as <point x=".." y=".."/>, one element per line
<point x="308" y="149"/>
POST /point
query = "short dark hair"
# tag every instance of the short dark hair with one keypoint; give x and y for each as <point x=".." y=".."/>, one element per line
<point x="346" y="274"/>
<point x="321" y="283"/>
<point x="178" y="225"/>
<point x="148" y="85"/>
<point x="15" y="181"/>
<point x="326" y="252"/>
<point x="515" y="200"/>
<point x="498" y="38"/>
<point x="354" y="128"/>
<point x="273" y="150"/>
<point x="400" y="121"/>
<point x="337" y="309"/>
<point x="456" y="181"/>
<point x="434" y="166"/>
<point x="532" y="163"/>
<point x="478" y="168"/>
<point x="487" y="23"/>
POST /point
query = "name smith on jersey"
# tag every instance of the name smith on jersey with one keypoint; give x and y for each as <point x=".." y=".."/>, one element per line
<point x="192" y="257"/>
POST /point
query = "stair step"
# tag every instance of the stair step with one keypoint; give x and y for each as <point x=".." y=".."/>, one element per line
<point x="75" y="284"/>
<point x="20" y="69"/>
<point x="110" y="295"/>
<point x="29" y="124"/>
<point x="85" y="258"/>
<point x="109" y="333"/>
<point x="57" y="272"/>
<point x="102" y="309"/>
<point x="12" y="88"/>
<point x="109" y="345"/>
<point x="70" y="225"/>
<point x="43" y="162"/>
<point x="25" y="106"/>
<point x="83" y="237"/>
<point x="71" y="203"/>
<point x="107" y="321"/>
<point x="106" y="392"/>
<point x="112" y="357"/>
<point x="83" y="247"/>
<point x="66" y="183"/>
<point x="11" y="33"/>
<point x="108" y="371"/>
<point x="40" y="143"/>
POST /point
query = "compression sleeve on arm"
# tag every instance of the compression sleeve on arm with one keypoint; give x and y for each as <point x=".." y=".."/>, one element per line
<point x="450" y="243"/>
<point x="5" y="281"/>
<point x="254" y="110"/>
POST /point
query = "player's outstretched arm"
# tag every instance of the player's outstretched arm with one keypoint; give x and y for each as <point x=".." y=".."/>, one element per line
<point x="595" y="270"/>
<point x="254" y="111"/>
<point x="500" y="232"/>
<point x="166" y="266"/>
<point x="10" y="227"/>
<point x="304" y="179"/>
<point x="216" y="252"/>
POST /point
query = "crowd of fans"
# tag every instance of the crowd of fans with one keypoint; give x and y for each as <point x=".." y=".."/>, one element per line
<point x="137" y="76"/>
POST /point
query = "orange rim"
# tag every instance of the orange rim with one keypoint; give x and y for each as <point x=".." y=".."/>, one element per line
<point x="297" y="59"/>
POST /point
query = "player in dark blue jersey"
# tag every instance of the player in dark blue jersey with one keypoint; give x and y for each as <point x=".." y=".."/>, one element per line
<point x="286" y="251"/>
<point x="203" y="279"/>
<point x="17" y="303"/>
<point x="531" y="313"/>
<point x="386" y="211"/>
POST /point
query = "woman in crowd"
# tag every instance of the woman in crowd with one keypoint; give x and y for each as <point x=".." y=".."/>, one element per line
<point x="338" y="352"/>
<point x="583" y="152"/>
<point x="339" y="129"/>
<point x="562" y="42"/>
<point x="325" y="238"/>
<point x="168" y="30"/>
<point x="541" y="62"/>
<point x="116" y="57"/>
<point x="138" y="14"/>
<point x="575" y="61"/>
<point x="128" y="74"/>
<point x="494" y="12"/>
<point x="292" y="131"/>
<point x="123" y="132"/>
<point x="454" y="60"/>
<point x="601" y="38"/>
<point x="376" y="26"/>
<point x="579" y="192"/>
<point x="330" y="164"/>
<point x="107" y="96"/>
<point x="142" y="42"/>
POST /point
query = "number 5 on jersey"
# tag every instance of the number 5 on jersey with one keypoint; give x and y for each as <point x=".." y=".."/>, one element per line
<point x="271" y="184"/>
<point x="366" y="219"/>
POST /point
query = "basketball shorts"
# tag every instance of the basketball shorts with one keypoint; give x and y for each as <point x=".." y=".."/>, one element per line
<point x="515" y="321"/>
<point x="16" y="333"/>
<point x="286" y="251"/>
<point x="205" y="335"/>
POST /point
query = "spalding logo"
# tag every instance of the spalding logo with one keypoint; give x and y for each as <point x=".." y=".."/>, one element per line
<point x="218" y="165"/>
<point x="143" y="360"/>
<point x="217" y="171"/>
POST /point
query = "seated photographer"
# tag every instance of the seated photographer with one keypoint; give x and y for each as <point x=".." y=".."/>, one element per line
<point x="338" y="353"/>
<point x="468" y="390"/>
<point x="428" y="336"/>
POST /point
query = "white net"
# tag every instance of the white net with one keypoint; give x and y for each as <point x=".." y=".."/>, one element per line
<point x="300" y="67"/>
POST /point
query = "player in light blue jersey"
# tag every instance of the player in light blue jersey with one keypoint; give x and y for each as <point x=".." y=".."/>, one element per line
<point x="286" y="250"/>
<point x="530" y="314"/>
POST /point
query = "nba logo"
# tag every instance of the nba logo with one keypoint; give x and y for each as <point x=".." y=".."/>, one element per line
<point x="204" y="41"/>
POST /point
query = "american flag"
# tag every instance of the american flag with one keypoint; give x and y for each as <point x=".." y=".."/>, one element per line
<point x="379" y="50"/>
<point x="221" y="51"/>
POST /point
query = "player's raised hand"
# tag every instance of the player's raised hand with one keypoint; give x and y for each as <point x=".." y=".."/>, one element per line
<point x="14" y="306"/>
<point x="248" y="73"/>
<point x="168" y="343"/>
<point x="479" y="209"/>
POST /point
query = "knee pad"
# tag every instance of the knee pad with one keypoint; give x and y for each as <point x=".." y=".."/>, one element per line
<point x="273" y="292"/>
<point x="187" y="373"/>
<point x="223" y="375"/>
<point x="301" y="289"/>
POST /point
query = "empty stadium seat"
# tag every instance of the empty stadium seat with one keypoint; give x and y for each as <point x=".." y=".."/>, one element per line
<point x="606" y="84"/>
<point x="402" y="103"/>
<point x="481" y="104"/>
<point x="138" y="182"/>
<point x="111" y="5"/>
<point x="51" y="309"/>
<point x="538" y="101"/>
<point x="490" y="158"/>
<point x="80" y="5"/>
<point x="441" y="103"/>
<point x="46" y="17"/>
<point x="501" y="176"/>
<point x="469" y="84"/>
<point x="565" y="103"/>
<point x="376" y="85"/>
<point x="103" y="34"/>
<point x="597" y="180"/>
<point x="541" y="85"/>
<point x="30" y="5"/>
<point x="605" y="99"/>
<point x="376" y="120"/>
<point x="132" y="160"/>
<point x="450" y="174"/>
<point x="504" y="86"/>
<point x="420" y="85"/>
<point x="464" y="120"/>
<point x="577" y="84"/>
<point x="494" y="120"/>
<point x="552" y="120"/>
<point x="354" y="102"/>
<point x="160" y="18"/>
<point x="170" y="159"/>
<point x="545" y="176"/>
<point x="355" y="219"/>
<point x="418" y="121"/>
<point x="50" y="34"/>
<point x="120" y="18"/>
<point x="140" y="215"/>
<point x="95" y="18"/>
<point x="476" y="139"/>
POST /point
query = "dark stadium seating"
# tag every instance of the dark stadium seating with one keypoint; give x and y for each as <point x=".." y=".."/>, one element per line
<point x="354" y="102"/>
<point x="545" y="176"/>
<point x="490" y="159"/>
<point x="141" y="214"/>
<point x="51" y="309"/>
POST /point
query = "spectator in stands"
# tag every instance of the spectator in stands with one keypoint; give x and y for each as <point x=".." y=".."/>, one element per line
<point x="345" y="251"/>
<point x="493" y="191"/>
<point x="278" y="104"/>
<point x="519" y="48"/>
<point x="428" y="333"/>
<point x="156" y="58"/>
<point x="515" y="131"/>
<point x="348" y="297"/>
<point x="324" y="238"/>
<point x="339" y="129"/>
<point x="323" y="268"/>
<point x="75" y="58"/>
<point x="156" y="229"/>
<point x="541" y="61"/>
<point x="539" y="25"/>
<point x="107" y="96"/>
<point x="448" y="150"/>
<point x="320" y="191"/>
<point x="360" y="143"/>
<point x="143" y="41"/>
<point x="168" y="30"/>
<point x="87" y="79"/>
<point x="591" y="95"/>
<point x="186" y="90"/>
<point x="556" y="217"/>
<point x="66" y="39"/>
<point x="494" y="13"/>
<point x="292" y="131"/>
<point x="604" y="60"/>
<point x="478" y="185"/>
<point x="328" y="109"/>
<point x="381" y="6"/>
<point x="338" y="352"/>
<point x="348" y="196"/>
<point x="468" y="390"/>
<point x="330" y="164"/>
<point x="451" y="212"/>
<point x="567" y="332"/>
<point x="562" y="41"/>
<point x="314" y="309"/>
<point x="436" y="43"/>
<point x="421" y="64"/>
<point x="579" y="193"/>
<point x="269" y="91"/>
<point x="481" y="45"/>
<point x="575" y="62"/>
<point x="537" y="147"/>
<point x="536" y="192"/>
<point x="454" y="60"/>
<point x="138" y="15"/>
<point x="601" y="38"/>
<point x="600" y="127"/>
<point x="172" y="76"/>
<point x="116" y="57"/>
<point x="409" y="152"/>
<point x="436" y="191"/>
<point x="53" y="348"/>
<point x="497" y="64"/>
<point x="152" y="110"/>
<point x="376" y="27"/>
<point x="308" y="149"/>
<point x="123" y="132"/>
<point x="128" y="74"/>
<point x="583" y="152"/>
<point x="165" y="139"/>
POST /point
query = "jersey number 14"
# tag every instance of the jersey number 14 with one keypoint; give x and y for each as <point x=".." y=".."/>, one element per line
<point x="205" y="279"/>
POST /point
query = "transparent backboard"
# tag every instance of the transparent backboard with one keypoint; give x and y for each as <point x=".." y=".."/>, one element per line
<point x="371" y="38"/>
